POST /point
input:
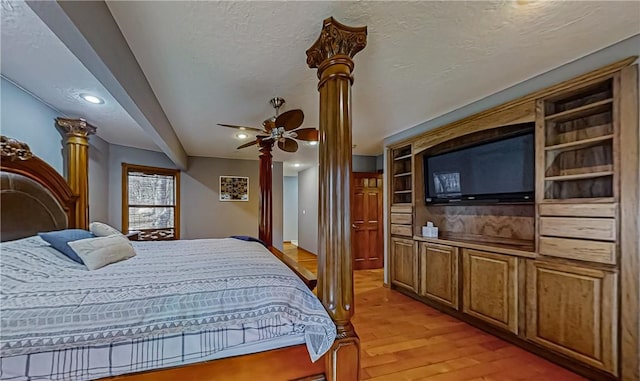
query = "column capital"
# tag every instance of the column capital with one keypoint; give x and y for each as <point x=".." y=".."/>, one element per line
<point x="336" y="39"/>
<point x="76" y="127"/>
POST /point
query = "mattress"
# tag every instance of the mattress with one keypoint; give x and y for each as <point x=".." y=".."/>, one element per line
<point x="175" y="302"/>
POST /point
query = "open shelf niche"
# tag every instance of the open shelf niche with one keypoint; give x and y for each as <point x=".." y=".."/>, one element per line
<point x="578" y="132"/>
<point x="402" y="175"/>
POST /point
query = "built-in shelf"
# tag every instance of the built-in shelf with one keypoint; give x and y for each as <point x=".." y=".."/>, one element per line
<point x="579" y="176"/>
<point x="402" y="191"/>
<point x="402" y="174"/>
<point x="578" y="144"/>
<point x="402" y="157"/>
<point x="578" y="112"/>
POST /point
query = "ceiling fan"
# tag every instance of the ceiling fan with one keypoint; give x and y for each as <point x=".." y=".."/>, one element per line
<point x="281" y="129"/>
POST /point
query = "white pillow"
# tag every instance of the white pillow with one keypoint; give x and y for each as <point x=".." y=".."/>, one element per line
<point x="101" y="251"/>
<point x="103" y="230"/>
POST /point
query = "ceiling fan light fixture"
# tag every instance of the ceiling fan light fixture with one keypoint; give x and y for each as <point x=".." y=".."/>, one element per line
<point x="242" y="135"/>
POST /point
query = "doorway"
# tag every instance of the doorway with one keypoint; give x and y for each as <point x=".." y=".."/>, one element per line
<point x="367" y="228"/>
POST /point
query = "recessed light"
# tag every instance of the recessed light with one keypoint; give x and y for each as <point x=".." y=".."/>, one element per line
<point x="242" y="135"/>
<point x="92" y="99"/>
<point x="296" y="165"/>
<point x="313" y="143"/>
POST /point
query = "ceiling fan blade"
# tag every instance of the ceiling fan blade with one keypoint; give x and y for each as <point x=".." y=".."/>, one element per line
<point x="290" y="120"/>
<point x="245" y="145"/>
<point x="308" y="134"/>
<point x="288" y="145"/>
<point x="243" y="128"/>
<point x="268" y="124"/>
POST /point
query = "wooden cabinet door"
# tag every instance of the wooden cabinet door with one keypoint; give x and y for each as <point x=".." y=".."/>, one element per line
<point x="572" y="310"/>
<point x="404" y="264"/>
<point x="439" y="273"/>
<point x="490" y="288"/>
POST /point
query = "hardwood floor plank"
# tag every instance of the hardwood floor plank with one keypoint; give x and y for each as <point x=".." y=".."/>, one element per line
<point x="403" y="339"/>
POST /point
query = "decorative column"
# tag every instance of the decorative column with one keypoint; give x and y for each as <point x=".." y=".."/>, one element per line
<point x="266" y="180"/>
<point x="332" y="55"/>
<point x="76" y="141"/>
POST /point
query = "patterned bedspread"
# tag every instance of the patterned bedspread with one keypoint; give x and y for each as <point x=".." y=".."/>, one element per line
<point x="49" y="303"/>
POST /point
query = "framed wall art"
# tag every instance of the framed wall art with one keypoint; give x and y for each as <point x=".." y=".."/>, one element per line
<point x="234" y="188"/>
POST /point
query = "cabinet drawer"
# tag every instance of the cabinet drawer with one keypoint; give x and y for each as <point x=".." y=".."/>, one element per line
<point x="401" y="209"/>
<point x="401" y="218"/>
<point x="589" y="228"/>
<point x="401" y="230"/>
<point x="578" y="210"/>
<point x="583" y="250"/>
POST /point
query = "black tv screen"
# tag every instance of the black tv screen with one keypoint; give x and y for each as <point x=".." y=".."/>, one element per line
<point x="498" y="171"/>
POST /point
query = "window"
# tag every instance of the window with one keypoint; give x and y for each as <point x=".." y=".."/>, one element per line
<point x="151" y="202"/>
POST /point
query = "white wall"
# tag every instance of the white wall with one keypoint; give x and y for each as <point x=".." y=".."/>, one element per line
<point x="98" y="179"/>
<point x="362" y="163"/>
<point x="308" y="209"/>
<point x="290" y="208"/>
<point x="29" y="120"/>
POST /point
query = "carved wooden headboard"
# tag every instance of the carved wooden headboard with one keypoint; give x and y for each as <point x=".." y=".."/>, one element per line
<point x="34" y="197"/>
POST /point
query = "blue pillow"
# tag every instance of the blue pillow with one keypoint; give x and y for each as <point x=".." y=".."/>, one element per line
<point x="58" y="240"/>
<point x="250" y="239"/>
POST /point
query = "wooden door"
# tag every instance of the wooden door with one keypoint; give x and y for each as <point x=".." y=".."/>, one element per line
<point x="439" y="273"/>
<point x="572" y="310"/>
<point x="490" y="284"/>
<point x="366" y="221"/>
<point x="404" y="264"/>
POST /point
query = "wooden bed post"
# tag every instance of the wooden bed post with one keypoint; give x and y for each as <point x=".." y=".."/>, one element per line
<point x="266" y="180"/>
<point x="332" y="55"/>
<point x="76" y="140"/>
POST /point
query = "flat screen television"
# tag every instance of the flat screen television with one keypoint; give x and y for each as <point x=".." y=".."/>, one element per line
<point x="493" y="172"/>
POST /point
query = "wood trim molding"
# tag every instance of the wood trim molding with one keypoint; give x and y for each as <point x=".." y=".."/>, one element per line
<point x="307" y="276"/>
<point x="126" y="168"/>
<point x="629" y="225"/>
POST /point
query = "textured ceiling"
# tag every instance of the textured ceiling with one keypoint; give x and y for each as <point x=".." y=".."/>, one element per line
<point x="34" y="58"/>
<point x="220" y="62"/>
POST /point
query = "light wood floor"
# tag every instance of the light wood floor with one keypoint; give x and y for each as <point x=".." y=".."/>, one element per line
<point x="403" y="339"/>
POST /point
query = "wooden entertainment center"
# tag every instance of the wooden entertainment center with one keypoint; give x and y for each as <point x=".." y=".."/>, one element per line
<point x="557" y="275"/>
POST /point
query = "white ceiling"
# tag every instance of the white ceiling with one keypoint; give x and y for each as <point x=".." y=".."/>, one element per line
<point x="221" y="62"/>
<point x="35" y="59"/>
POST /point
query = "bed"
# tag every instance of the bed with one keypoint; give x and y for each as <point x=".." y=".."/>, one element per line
<point x="319" y="340"/>
<point x="174" y="303"/>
